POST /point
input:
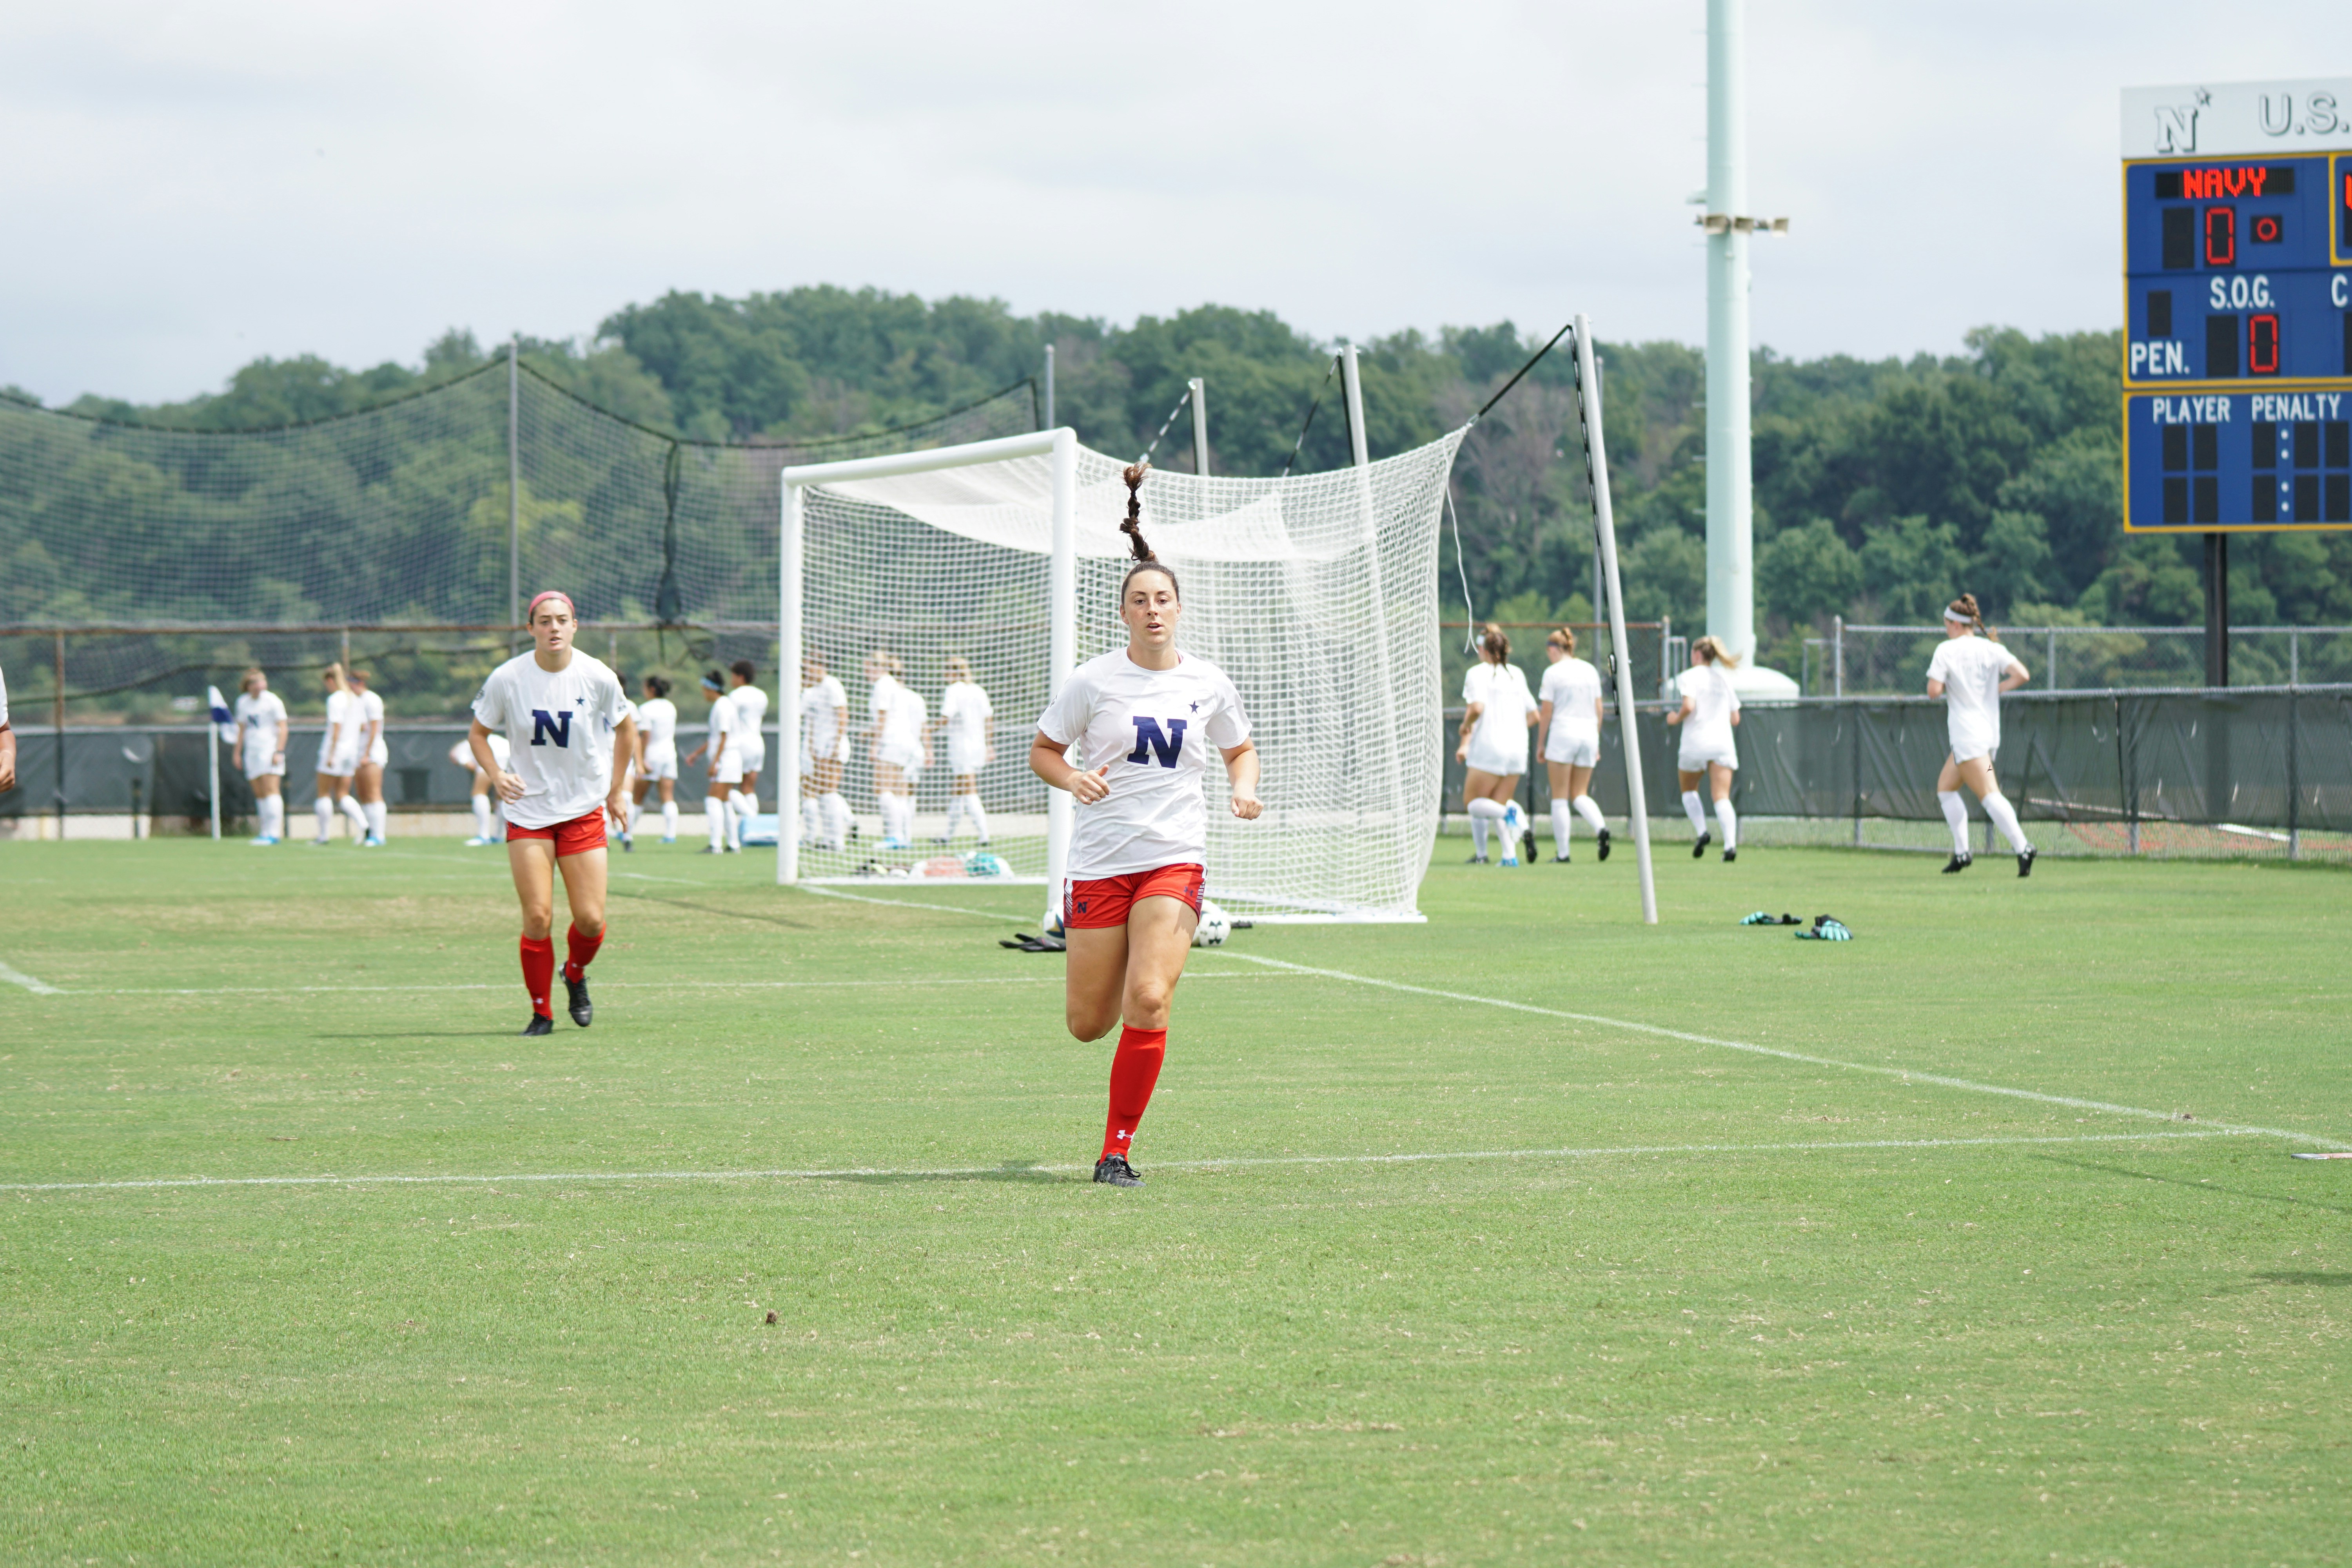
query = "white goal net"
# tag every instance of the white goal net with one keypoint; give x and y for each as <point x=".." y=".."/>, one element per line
<point x="1317" y="594"/>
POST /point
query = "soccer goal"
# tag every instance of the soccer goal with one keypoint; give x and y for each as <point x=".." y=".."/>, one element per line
<point x="1318" y="594"/>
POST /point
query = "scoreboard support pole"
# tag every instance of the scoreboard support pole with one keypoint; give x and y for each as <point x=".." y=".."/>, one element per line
<point x="2217" y="609"/>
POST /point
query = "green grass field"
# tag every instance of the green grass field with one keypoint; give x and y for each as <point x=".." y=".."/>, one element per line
<point x="305" y="1257"/>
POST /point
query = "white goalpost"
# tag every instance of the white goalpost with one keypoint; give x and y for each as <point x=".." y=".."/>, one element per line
<point x="1317" y="594"/>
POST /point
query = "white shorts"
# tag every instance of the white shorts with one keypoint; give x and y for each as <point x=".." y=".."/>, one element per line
<point x="908" y="758"/>
<point x="1576" y="751"/>
<point x="263" y="764"/>
<point x="755" y="758"/>
<point x="337" y="767"/>
<point x="730" y="767"/>
<point x="1970" y="748"/>
<point x="967" y="757"/>
<point x="1693" y="762"/>
<point x="1499" y="759"/>
<point x="661" y="764"/>
<point x="380" y="754"/>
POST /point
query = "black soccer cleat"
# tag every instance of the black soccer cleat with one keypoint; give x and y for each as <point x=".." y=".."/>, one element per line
<point x="1113" y="1171"/>
<point x="540" y="1024"/>
<point x="576" y="1003"/>
<point x="1959" y="862"/>
<point x="1699" y="849"/>
<point x="1475" y="860"/>
<point x="1603" y="835"/>
<point x="2025" y="860"/>
<point x="1560" y="859"/>
<point x="1730" y="855"/>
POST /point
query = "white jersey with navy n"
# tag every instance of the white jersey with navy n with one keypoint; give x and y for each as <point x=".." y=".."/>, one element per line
<point x="257" y="718"/>
<point x="558" y="727"/>
<point x="1971" y="669"/>
<point x="1158" y="731"/>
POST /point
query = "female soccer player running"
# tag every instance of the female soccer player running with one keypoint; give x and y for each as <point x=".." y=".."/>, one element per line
<point x="261" y="730"/>
<point x="726" y="770"/>
<point x="1969" y="672"/>
<point x="1497" y="712"/>
<point x="1139" y="715"/>
<point x="825" y="748"/>
<point x="969" y="721"/>
<point x="656" y="756"/>
<point x="339" y="756"/>
<point x="895" y="744"/>
<point x="367" y="779"/>
<point x="566" y="724"/>
<point x="1709" y="710"/>
<point x="1570" y="740"/>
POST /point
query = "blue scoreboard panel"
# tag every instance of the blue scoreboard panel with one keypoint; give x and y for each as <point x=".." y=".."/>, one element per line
<point x="2238" y="336"/>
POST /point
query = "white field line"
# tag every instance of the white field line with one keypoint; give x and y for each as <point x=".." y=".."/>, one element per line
<point x="901" y="983"/>
<point x="910" y="904"/>
<point x="1906" y="1074"/>
<point x="972" y="1172"/>
<point x="19" y="978"/>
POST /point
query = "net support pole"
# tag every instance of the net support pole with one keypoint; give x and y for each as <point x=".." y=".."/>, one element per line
<point x="1604" y="526"/>
<point x="1381" y="673"/>
<point x="514" y="485"/>
<point x="1200" y="390"/>
<point x="1049" y="386"/>
<point x="789" y="643"/>
<point x="212" y="757"/>
<point x="1062" y="645"/>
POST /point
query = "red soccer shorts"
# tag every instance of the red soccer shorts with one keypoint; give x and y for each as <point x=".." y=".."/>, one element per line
<point x="576" y="837"/>
<point x="1106" y="900"/>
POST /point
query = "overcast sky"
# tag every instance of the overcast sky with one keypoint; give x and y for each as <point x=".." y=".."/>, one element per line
<point x="191" y="187"/>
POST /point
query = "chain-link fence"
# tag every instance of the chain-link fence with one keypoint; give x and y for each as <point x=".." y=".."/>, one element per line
<point x="1870" y="661"/>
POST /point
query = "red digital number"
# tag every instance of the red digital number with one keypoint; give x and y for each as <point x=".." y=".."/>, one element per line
<point x="2262" y="345"/>
<point x="2220" y="236"/>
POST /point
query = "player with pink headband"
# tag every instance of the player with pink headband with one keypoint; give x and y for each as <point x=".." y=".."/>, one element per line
<point x="565" y="720"/>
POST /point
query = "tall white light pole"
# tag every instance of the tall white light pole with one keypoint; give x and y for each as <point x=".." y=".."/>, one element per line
<point x="1731" y="519"/>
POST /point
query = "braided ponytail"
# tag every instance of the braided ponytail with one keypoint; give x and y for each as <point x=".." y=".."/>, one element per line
<point x="1144" y="561"/>
<point x="1964" y="608"/>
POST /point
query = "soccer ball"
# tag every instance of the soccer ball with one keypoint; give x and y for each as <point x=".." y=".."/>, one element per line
<point x="1215" y="927"/>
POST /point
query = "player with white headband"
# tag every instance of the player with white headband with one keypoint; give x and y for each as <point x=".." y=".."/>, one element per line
<point x="724" y="775"/>
<point x="1969" y="673"/>
<point x="566" y="722"/>
<point x="656" y="756"/>
<point x="1143" y="717"/>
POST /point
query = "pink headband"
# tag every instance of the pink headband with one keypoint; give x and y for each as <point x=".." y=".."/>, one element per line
<point x="540" y="599"/>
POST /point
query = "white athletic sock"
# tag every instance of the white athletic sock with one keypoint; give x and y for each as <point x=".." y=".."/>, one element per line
<point x="325" y="806"/>
<point x="2004" y="816"/>
<point x="273" y="816"/>
<point x="350" y="806"/>
<point x="740" y="807"/>
<point x="1956" y="816"/>
<point x="979" y="817"/>
<point x="1561" y="818"/>
<point x="1587" y="809"/>
<point x="669" y="819"/>
<point x="1482" y="813"/>
<point x="714" y="817"/>
<point x="481" y="817"/>
<point x="377" y="813"/>
<point x="630" y="811"/>
<point x="955" y="817"/>
<point x="1729" y="819"/>
<point x="811" y="819"/>
<point x="897" y="816"/>
<point x="836" y="819"/>
<point x="1693" y="809"/>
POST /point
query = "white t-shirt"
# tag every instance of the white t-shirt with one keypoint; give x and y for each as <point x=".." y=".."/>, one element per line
<point x="1707" y="733"/>
<point x="727" y="719"/>
<point x="462" y="753"/>
<point x="559" y="724"/>
<point x="1502" y="733"/>
<point x="340" y="742"/>
<point x="1971" y="669"/>
<point x="967" y="711"/>
<point x="751" y="712"/>
<point x="370" y="715"/>
<point x="825" y="720"/>
<point x="257" y="719"/>
<point x="658" y="720"/>
<point x="901" y="712"/>
<point x="1148" y="725"/>
<point x="1573" y="687"/>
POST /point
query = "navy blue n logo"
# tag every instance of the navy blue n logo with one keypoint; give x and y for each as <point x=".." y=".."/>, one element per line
<point x="543" y="724"/>
<point x="1148" y="740"/>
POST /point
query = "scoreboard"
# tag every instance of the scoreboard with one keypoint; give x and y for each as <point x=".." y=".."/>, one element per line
<point x="2237" y="307"/>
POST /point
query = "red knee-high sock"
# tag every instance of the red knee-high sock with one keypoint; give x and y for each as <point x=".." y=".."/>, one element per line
<point x="579" y="950"/>
<point x="1133" y="1072"/>
<point x="539" y="971"/>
